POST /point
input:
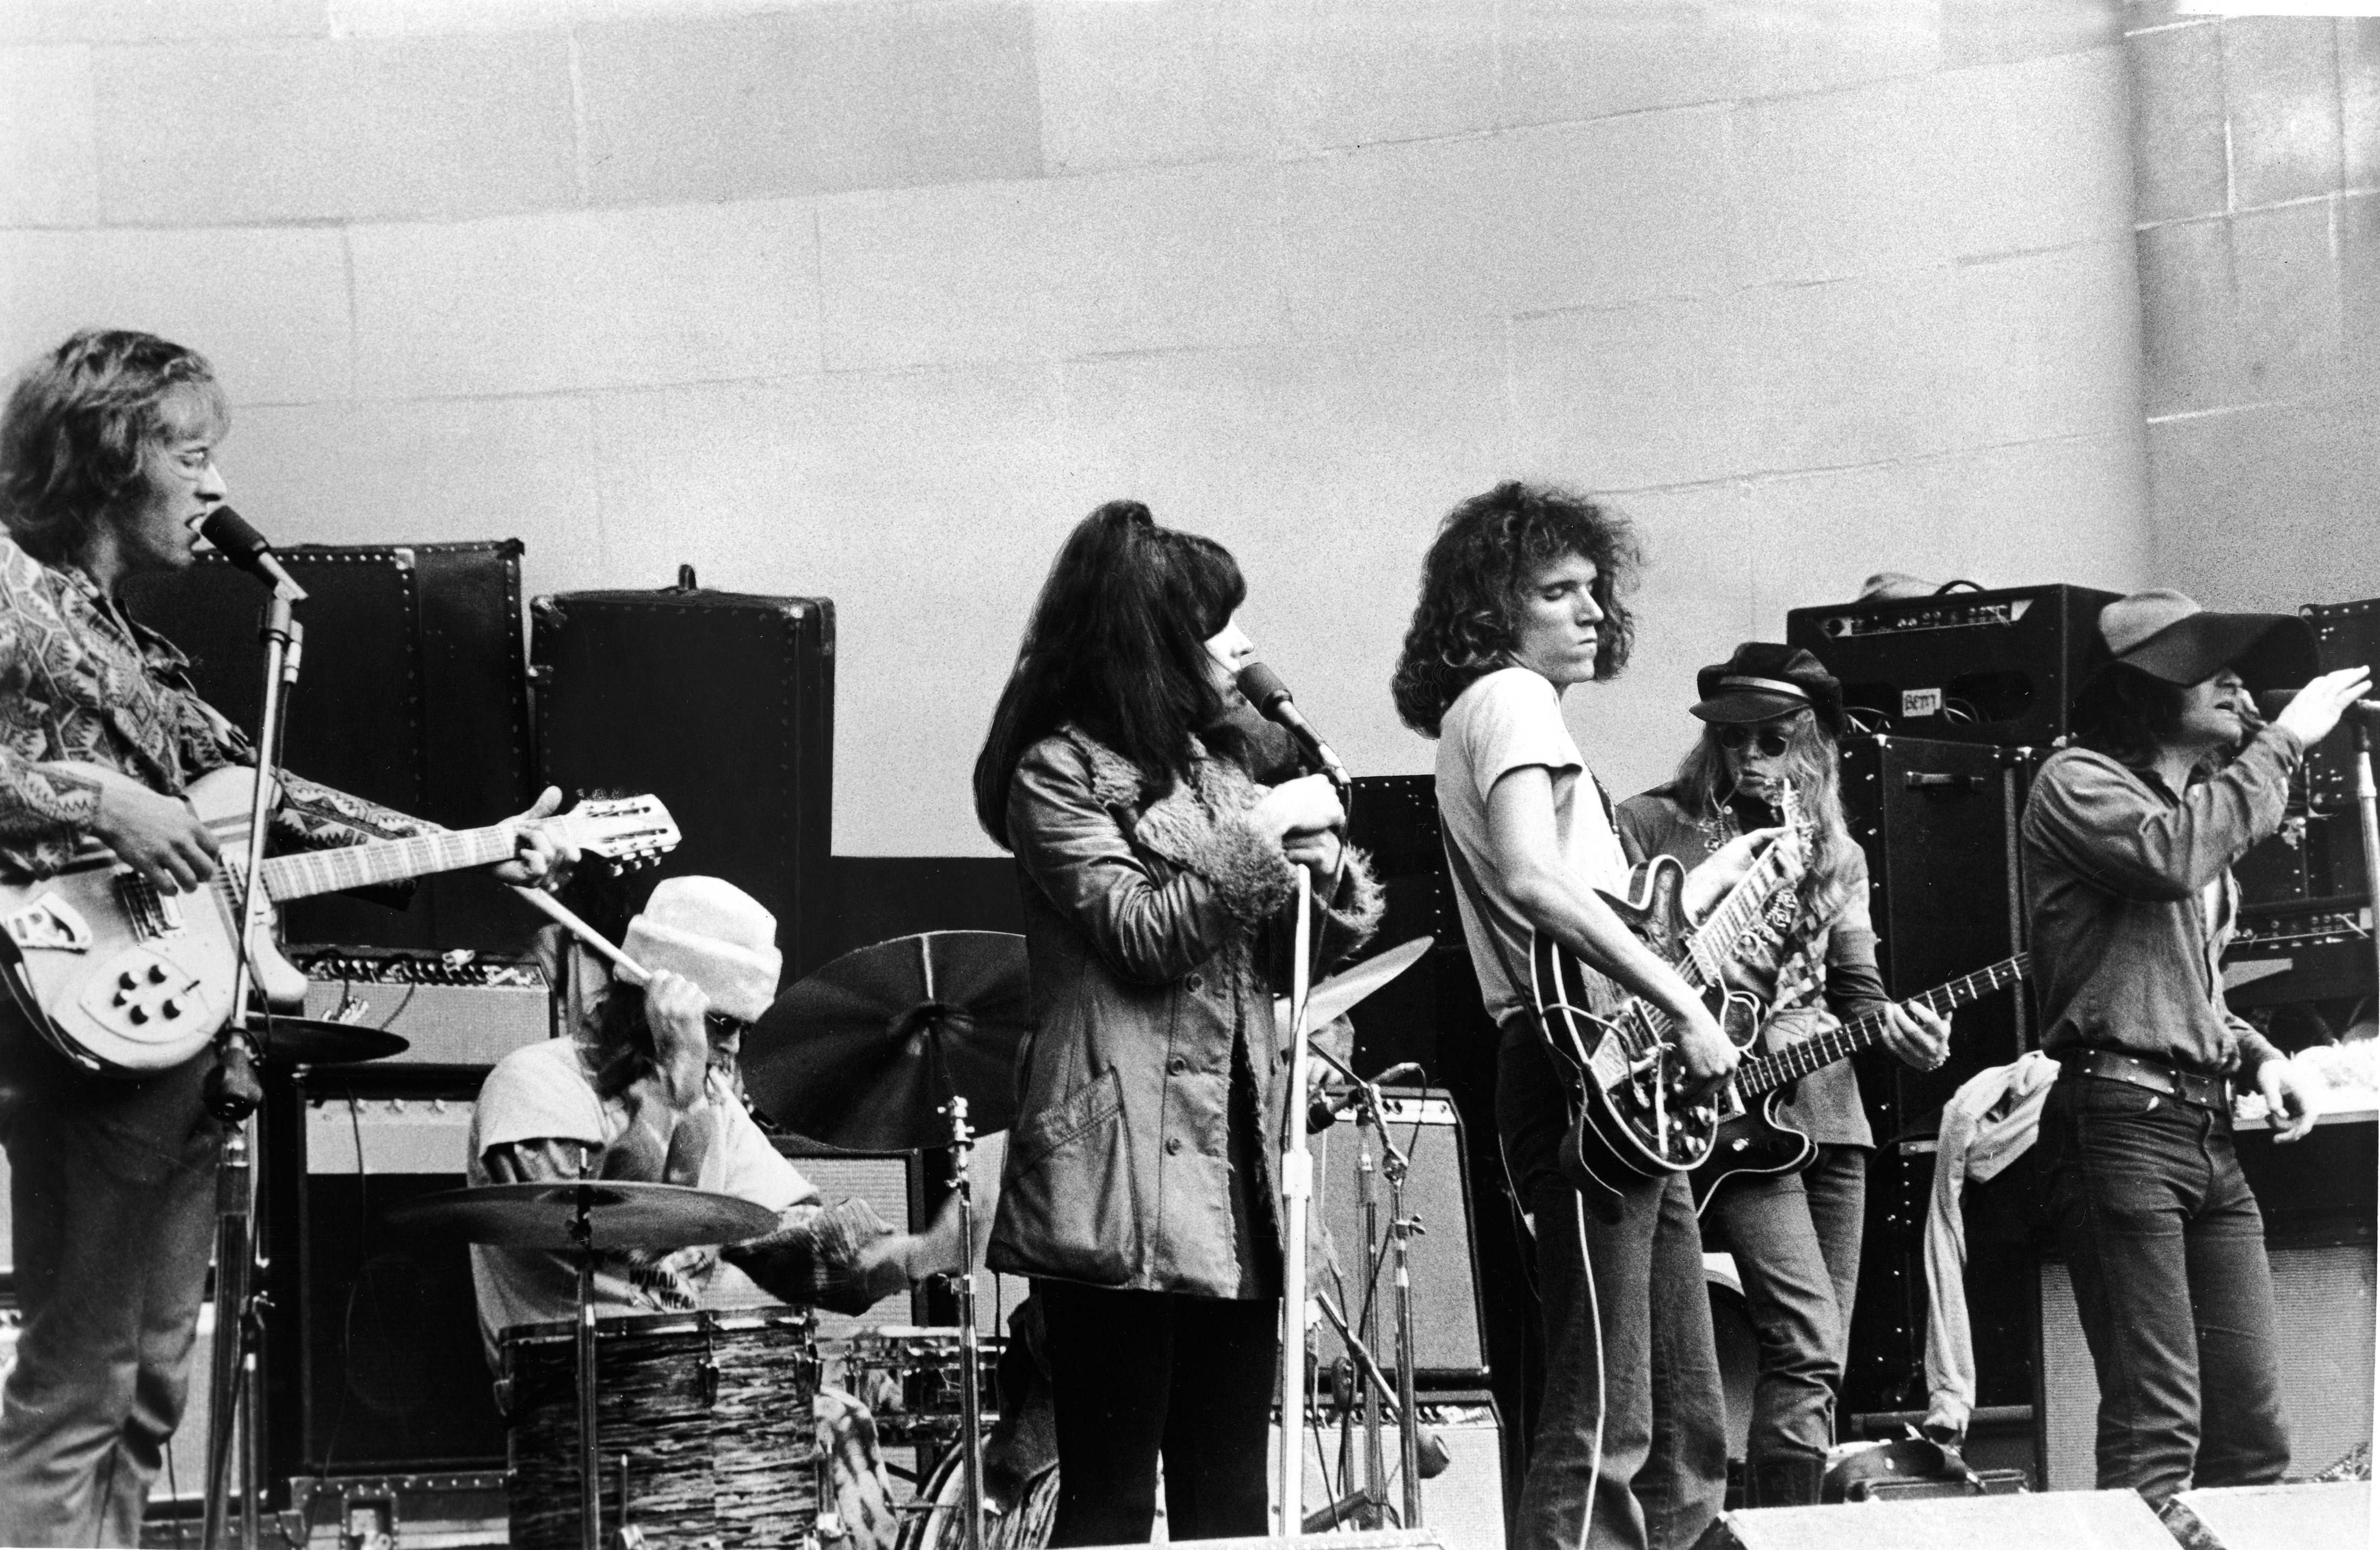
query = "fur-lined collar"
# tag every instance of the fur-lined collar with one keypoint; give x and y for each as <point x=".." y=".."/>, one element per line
<point x="1195" y="824"/>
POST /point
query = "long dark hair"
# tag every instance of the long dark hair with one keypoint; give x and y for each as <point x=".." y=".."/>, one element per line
<point x="2127" y="714"/>
<point x="1117" y="645"/>
<point x="1814" y="764"/>
<point x="78" y="424"/>
<point x="1486" y="553"/>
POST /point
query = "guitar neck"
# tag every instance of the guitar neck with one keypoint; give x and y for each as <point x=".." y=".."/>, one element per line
<point x="307" y="873"/>
<point x="1771" y="1072"/>
<point x="1708" y="948"/>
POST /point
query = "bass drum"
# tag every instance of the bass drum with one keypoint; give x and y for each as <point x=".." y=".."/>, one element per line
<point x="943" y="1526"/>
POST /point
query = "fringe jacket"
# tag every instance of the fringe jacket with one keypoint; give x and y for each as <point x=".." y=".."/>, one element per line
<point x="1154" y="922"/>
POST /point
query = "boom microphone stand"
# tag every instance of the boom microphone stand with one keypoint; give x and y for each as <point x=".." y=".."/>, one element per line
<point x="2367" y="815"/>
<point x="237" y="1389"/>
<point x="1296" y="1189"/>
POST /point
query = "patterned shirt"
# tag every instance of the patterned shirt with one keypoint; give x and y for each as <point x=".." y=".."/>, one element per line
<point x="81" y="680"/>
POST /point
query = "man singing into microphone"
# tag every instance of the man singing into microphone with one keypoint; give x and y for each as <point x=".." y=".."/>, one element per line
<point x="106" y="462"/>
<point x="2129" y="841"/>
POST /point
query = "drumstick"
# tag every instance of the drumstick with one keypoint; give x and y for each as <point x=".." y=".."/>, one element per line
<point x="636" y="972"/>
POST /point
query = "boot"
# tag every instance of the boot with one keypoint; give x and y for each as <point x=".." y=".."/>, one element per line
<point x="1789" y="1482"/>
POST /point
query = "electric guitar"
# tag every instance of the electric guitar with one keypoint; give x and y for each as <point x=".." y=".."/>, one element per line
<point x="1752" y="1140"/>
<point x="124" y="980"/>
<point x="1632" y="1120"/>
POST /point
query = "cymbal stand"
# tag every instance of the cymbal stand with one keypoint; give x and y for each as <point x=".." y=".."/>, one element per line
<point x="591" y="1467"/>
<point x="970" y="1377"/>
<point x="235" y="1392"/>
<point x="1395" y="1163"/>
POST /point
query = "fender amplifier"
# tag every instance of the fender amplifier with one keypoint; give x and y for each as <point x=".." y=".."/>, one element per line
<point x="453" y="1009"/>
<point x="1970" y="667"/>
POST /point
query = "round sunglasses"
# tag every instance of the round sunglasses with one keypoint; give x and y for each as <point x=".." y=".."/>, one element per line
<point x="1770" y="741"/>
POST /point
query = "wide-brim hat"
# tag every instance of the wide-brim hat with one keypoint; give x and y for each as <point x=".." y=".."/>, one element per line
<point x="714" y="934"/>
<point x="1765" y="680"/>
<point x="2166" y="634"/>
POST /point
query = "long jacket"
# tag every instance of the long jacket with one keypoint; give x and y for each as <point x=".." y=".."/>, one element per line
<point x="1151" y="925"/>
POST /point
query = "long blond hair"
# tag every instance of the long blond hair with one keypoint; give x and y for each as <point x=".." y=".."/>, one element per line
<point x="1813" y="763"/>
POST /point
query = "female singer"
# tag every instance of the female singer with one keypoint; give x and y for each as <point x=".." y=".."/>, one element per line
<point x="1140" y="1185"/>
<point x="1770" y="715"/>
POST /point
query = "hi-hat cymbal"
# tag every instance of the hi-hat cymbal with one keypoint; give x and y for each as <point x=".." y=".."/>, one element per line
<point x="312" y="1041"/>
<point x="652" y="1219"/>
<point x="865" y="1052"/>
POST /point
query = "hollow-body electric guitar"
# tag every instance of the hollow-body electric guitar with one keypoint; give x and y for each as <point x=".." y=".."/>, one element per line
<point x="1633" y="1120"/>
<point x="125" y="980"/>
<point x="1752" y="1140"/>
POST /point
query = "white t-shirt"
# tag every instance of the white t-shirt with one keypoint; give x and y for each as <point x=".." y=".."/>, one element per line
<point x="543" y="1091"/>
<point x="1505" y="720"/>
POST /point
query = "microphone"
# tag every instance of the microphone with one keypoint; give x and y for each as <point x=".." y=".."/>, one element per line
<point x="246" y="547"/>
<point x="1324" y="1111"/>
<point x="2272" y="702"/>
<point x="1273" y="702"/>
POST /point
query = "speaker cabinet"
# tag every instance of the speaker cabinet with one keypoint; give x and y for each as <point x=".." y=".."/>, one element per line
<point x="1448" y="1349"/>
<point x="2273" y="1517"/>
<point x="2323" y="1300"/>
<point x="372" y="1361"/>
<point x="2098" y="1520"/>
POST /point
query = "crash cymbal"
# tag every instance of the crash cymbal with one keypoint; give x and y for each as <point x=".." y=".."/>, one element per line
<point x="1341" y="991"/>
<point x="652" y="1219"/>
<point x="865" y="1052"/>
<point x="310" y="1041"/>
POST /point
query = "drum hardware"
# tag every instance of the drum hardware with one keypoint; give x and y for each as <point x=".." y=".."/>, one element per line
<point x="563" y="1215"/>
<point x="627" y="1536"/>
<point x="970" y="1375"/>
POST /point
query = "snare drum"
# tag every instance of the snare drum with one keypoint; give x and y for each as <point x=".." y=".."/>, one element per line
<point x="714" y="1412"/>
<point x="908" y="1378"/>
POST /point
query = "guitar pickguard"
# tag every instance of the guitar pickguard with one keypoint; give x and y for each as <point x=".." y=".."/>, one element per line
<point x="144" y="996"/>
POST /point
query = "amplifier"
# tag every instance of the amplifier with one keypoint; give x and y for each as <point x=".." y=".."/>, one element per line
<point x="1971" y="667"/>
<point x="2345" y="634"/>
<point x="456" y="1009"/>
<point x="1448" y="1346"/>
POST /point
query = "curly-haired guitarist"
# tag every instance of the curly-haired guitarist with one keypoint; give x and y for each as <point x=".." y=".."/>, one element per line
<point x="1521" y="600"/>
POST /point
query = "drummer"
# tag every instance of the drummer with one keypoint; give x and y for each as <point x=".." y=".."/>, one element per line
<point x="646" y="1090"/>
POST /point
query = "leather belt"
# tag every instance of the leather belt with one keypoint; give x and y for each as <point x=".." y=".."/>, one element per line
<point x="2157" y="1076"/>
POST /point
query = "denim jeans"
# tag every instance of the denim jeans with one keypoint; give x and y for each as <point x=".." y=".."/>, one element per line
<point x="1651" y="1385"/>
<point x="111" y="1189"/>
<point x="2167" y="1249"/>
<point x="1796" y="1239"/>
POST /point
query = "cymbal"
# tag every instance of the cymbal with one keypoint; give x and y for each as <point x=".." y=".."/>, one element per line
<point x="312" y="1041"/>
<point x="654" y="1219"/>
<point x="1341" y="991"/>
<point x="863" y="1052"/>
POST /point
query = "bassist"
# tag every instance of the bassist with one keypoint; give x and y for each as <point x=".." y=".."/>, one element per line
<point x="1520" y="600"/>
<point x="106" y="456"/>
<point x="1769" y="716"/>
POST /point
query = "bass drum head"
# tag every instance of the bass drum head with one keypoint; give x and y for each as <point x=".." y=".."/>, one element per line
<point x="944" y="1525"/>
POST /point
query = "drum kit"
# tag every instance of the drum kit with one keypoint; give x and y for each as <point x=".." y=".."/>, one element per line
<point x="700" y="1423"/>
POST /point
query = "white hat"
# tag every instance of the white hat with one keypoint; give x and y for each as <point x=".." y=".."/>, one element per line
<point x="714" y="934"/>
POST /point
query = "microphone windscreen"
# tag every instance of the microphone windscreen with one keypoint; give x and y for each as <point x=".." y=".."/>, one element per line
<point x="229" y="531"/>
<point x="1262" y="685"/>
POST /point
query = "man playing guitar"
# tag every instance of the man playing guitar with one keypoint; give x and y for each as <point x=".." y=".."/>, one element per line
<point x="106" y="459"/>
<point x="1520" y="599"/>
<point x="1770" y="715"/>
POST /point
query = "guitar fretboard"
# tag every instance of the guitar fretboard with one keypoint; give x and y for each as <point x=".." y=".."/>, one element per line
<point x="307" y="873"/>
<point x="1713" y="942"/>
<point x="1771" y="1072"/>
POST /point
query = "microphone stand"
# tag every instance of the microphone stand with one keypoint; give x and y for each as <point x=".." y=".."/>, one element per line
<point x="1395" y="1163"/>
<point x="237" y="1387"/>
<point x="1296" y="1189"/>
<point x="2367" y="815"/>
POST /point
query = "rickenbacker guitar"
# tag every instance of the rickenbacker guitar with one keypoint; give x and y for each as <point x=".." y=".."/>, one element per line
<point x="1752" y="1140"/>
<point x="1633" y="1120"/>
<point x="124" y="980"/>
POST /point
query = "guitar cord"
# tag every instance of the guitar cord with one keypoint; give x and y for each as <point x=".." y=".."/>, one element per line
<point x="1602" y="1389"/>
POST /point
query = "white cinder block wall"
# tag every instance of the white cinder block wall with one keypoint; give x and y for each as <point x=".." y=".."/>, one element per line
<point x="874" y="300"/>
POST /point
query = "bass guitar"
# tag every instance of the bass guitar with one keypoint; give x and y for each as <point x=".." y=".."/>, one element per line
<point x="124" y="980"/>
<point x="1633" y="1119"/>
<point x="1752" y="1140"/>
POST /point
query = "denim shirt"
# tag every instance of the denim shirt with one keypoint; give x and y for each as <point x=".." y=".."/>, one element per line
<point x="2129" y="886"/>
